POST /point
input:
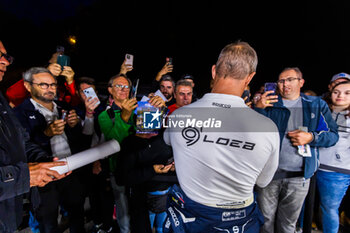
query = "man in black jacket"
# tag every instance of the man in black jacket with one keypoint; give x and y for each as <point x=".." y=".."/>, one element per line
<point x="16" y="175"/>
<point x="55" y="128"/>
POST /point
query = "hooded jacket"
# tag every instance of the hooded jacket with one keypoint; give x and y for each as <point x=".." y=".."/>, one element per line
<point x="337" y="157"/>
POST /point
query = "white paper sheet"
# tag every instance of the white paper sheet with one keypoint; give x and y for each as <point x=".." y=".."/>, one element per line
<point x="160" y="94"/>
<point x="88" y="156"/>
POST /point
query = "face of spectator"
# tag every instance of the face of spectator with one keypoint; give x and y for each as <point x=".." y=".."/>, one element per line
<point x="339" y="80"/>
<point x="82" y="87"/>
<point x="167" y="88"/>
<point x="119" y="90"/>
<point x="289" y="85"/>
<point x="39" y="92"/>
<point x="341" y="96"/>
<point x="183" y="95"/>
<point x="3" y="62"/>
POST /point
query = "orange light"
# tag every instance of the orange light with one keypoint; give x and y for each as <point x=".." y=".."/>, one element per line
<point x="72" y="40"/>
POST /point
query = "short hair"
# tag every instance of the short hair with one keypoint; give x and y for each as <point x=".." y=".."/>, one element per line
<point x="28" y="75"/>
<point x="187" y="76"/>
<point x="183" y="82"/>
<point x="111" y="80"/>
<point x="86" y="80"/>
<point x="236" y="60"/>
<point x="167" y="77"/>
<point x="295" y="69"/>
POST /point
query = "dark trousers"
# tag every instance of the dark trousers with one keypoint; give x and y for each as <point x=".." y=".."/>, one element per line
<point x="101" y="198"/>
<point x="139" y="215"/>
<point x="68" y="192"/>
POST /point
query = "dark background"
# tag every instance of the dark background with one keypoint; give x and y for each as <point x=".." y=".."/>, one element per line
<point x="312" y="35"/>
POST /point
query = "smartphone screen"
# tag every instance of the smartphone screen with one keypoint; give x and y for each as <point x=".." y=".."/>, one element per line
<point x="270" y="87"/>
<point x="90" y="92"/>
<point x="129" y="59"/>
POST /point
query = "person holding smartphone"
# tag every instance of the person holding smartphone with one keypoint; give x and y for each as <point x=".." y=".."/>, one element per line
<point x="17" y="93"/>
<point x="305" y="123"/>
<point x="42" y="117"/>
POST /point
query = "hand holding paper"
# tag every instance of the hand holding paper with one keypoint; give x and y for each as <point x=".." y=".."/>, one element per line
<point x="88" y="156"/>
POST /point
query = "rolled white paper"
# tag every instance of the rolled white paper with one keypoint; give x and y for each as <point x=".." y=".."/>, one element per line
<point x="88" y="156"/>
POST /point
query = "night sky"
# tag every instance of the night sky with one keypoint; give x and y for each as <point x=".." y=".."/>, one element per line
<point x="312" y="35"/>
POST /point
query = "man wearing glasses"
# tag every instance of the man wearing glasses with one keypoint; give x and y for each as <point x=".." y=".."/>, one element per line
<point x="17" y="172"/>
<point x="117" y="123"/>
<point x="305" y="123"/>
<point x="57" y="132"/>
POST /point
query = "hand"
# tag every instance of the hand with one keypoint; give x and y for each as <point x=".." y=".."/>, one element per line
<point x="40" y="173"/>
<point x="157" y="101"/>
<point x="55" y="69"/>
<point x="298" y="137"/>
<point x="161" y="168"/>
<point x="150" y="95"/>
<point x="172" y="169"/>
<point x="128" y="105"/>
<point x="125" y="68"/>
<point x="249" y="104"/>
<point x="68" y="73"/>
<point x="166" y="69"/>
<point x="90" y="106"/>
<point x="55" y="128"/>
<point x="267" y="101"/>
<point x="96" y="167"/>
<point x="72" y="118"/>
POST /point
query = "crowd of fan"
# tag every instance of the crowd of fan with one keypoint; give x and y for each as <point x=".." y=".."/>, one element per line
<point x="128" y="190"/>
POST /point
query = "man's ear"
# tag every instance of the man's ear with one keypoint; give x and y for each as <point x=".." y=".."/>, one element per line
<point x="249" y="78"/>
<point x="27" y="86"/>
<point x="110" y="90"/>
<point x="213" y="71"/>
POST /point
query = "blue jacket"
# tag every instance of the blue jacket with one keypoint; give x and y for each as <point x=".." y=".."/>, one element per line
<point x="316" y="117"/>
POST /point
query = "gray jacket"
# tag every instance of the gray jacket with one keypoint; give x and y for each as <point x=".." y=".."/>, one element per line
<point x="337" y="157"/>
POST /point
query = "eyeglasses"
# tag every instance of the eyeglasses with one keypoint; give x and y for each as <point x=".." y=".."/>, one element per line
<point x="45" y="86"/>
<point x="7" y="57"/>
<point x="121" y="86"/>
<point x="289" y="79"/>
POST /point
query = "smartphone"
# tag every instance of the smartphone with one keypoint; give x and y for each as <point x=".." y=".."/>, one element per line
<point x="64" y="114"/>
<point x="134" y="89"/>
<point x="245" y="94"/>
<point x="129" y="59"/>
<point x="170" y="161"/>
<point x="60" y="49"/>
<point x="90" y="92"/>
<point x="63" y="60"/>
<point x="170" y="61"/>
<point x="271" y="87"/>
